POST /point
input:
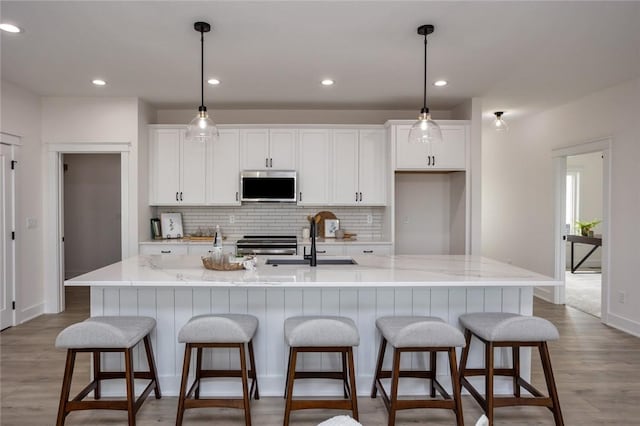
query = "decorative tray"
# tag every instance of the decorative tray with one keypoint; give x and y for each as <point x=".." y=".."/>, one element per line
<point x="209" y="263"/>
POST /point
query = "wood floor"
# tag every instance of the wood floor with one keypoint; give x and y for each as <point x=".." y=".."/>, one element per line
<point x="597" y="369"/>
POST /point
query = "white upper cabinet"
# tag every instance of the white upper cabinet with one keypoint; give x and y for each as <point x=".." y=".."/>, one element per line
<point x="448" y="155"/>
<point x="223" y="169"/>
<point x="177" y="168"/>
<point x="313" y="172"/>
<point x="264" y="149"/>
<point x="359" y="167"/>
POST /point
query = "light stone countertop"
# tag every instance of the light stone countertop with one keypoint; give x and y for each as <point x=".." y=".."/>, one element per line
<point x="371" y="271"/>
<point x="319" y="241"/>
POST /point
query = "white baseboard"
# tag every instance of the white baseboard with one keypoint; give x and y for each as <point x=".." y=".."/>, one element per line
<point x="544" y="293"/>
<point x="30" y="312"/>
<point x="624" y="324"/>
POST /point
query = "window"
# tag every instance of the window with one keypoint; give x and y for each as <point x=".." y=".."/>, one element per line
<point x="572" y="201"/>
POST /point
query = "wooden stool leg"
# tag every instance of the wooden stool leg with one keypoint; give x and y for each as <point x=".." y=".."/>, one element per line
<point x="253" y="373"/>
<point x="489" y="381"/>
<point x="152" y="366"/>
<point x="96" y="374"/>
<point x="383" y="348"/>
<point x="395" y="375"/>
<point x="345" y="383"/>
<point x="465" y="353"/>
<point x="183" y="383"/>
<point x="286" y="382"/>
<point x="455" y="384"/>
<point x="352" y="389"/>
<point x="291" y="374"/>
<point x="198" y="371"/>
<point x="515" y="352"/>
<point x="131" y="396"/>
<point x="551" y="383"/>
<point x="245" y="386"/>
<point x="66" y="386"/>
<point x="433" y="369"/>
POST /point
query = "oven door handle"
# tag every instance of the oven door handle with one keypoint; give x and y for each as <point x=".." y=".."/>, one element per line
<point x="266" y="251"/>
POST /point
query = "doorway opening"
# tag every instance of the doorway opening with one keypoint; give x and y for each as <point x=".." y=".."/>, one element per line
<point x="582" y="212"/>
<point x="583" y="273"/>
<point x="92" y="220"/>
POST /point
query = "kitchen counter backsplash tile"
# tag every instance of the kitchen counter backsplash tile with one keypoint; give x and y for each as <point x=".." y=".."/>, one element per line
<point x="277" y="219"/>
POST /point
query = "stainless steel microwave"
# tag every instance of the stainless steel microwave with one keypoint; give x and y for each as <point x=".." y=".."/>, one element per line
<point x="268" y="186"/>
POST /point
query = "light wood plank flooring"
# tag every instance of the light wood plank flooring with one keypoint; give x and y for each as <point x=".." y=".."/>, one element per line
<point x="597" y="369"/>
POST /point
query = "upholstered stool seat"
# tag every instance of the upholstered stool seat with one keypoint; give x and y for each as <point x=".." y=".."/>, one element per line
<point x="107" y="334"/>
<point x="218" y="331"/>
<point x="321" y="333"/>
<point x="499" y="329"/>
<point x="418" y="334"/>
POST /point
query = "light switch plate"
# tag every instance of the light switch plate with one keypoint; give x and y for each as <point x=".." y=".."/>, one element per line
<point x="32" y="223"/>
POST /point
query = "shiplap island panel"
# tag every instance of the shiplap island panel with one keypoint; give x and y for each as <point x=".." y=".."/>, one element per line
<point x="173" y="288"/>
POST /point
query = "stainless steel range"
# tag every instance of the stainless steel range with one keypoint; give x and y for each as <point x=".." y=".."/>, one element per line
<point x="267" y="244"/>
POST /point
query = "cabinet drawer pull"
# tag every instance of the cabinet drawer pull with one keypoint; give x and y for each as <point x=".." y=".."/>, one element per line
<point x="361" y="196"/>
<point x="367" y="251"/>
<point x="270" y="162"/>
<point x="321" y="251"/>
<point x="177" y="199"/>
<point x="180" y="196"/>
<point x="266" y="162"/>
<point x="165" y="251"/>
<point x="434" y="160"/>
<point x="237" y="196"/>
<point x="300" y="199"/>
<point x="356" y="197"/>
<point x="428" y="160"/>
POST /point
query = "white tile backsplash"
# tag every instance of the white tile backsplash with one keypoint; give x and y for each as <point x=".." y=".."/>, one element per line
<point x="276" y="219"/>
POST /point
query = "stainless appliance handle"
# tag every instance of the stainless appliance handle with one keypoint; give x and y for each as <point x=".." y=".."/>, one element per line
<point x="266" y="251"/>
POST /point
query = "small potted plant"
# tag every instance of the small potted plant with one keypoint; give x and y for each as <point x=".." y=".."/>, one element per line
<point x="586" y="228"/>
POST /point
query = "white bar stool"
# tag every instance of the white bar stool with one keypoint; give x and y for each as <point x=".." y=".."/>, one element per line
<point x="218" y="331"/>
<point x="321" y="334"/>
<point x="107" y="334"/>
<point x="418" y="334"/>
<point x="498" y="329"/>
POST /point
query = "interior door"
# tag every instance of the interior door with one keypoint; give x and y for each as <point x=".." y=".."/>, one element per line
<point x="7" y="274"/>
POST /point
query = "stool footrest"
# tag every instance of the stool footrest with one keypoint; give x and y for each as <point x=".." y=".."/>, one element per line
<point x="339" y="404"/>
<point x="319" y="375"/>
<point x="511" y="401"/>
<point x="386" y="374"/>
<point x="214" y="403"/>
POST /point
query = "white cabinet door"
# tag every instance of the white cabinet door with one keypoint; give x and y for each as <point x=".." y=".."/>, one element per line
<point x="193" y="179"/>
<point x="255" y="149"/>
<point x="322" y="249"/>
<point x="282" y="149"/>
<point x="409" y="155"/>
<point x="314" y="172"/>
<point x="451" y="153"/>
<point x="223" y="176"/>
<point x="345" y="167"/>
<point x="372" y="168"/>
<point x="164" y="155"/>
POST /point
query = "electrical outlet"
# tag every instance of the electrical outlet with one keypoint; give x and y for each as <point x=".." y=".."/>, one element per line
<point x="232" y="219"/>
<point x="405" y="220"/>
<point x="621" y="296"/>
<point x="32" y="223"/>
<point x="369" y="218"/>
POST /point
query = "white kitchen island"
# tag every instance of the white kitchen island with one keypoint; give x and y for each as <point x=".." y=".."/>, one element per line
<point x="173" y="288"/>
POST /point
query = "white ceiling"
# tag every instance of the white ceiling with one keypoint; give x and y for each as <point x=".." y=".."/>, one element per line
<point x="518" y="56"/>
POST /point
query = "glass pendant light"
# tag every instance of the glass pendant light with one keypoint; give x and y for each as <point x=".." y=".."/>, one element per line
<point x="499" y="124"/>
<point x="201" y="128"/>
<point x="425" y="130"/>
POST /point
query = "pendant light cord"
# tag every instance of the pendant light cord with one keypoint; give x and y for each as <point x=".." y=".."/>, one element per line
<point x="202" y="68"/>
<point x="424" y="99"/>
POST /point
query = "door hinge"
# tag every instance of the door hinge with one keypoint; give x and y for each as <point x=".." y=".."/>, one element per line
<point x="13" y="305"/>
<point x="13" y="235"/>
<point x="13" y="164"/>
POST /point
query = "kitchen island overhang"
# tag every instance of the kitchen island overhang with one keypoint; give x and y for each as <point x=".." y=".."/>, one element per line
<point x="173" y="288"/>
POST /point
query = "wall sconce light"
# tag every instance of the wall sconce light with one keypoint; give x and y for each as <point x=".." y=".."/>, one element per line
<point x="499" y="124"/>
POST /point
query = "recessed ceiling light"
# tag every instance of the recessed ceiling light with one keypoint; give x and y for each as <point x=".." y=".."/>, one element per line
<point x="99" y="82"/>
<point x="327" y="82"/>
<point x="213" y="81"/>
<point x="10" y="28"/>
<point x="441" y="83"/>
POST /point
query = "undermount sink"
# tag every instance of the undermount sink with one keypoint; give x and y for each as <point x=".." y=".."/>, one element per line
<point x="321" y="261"/>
